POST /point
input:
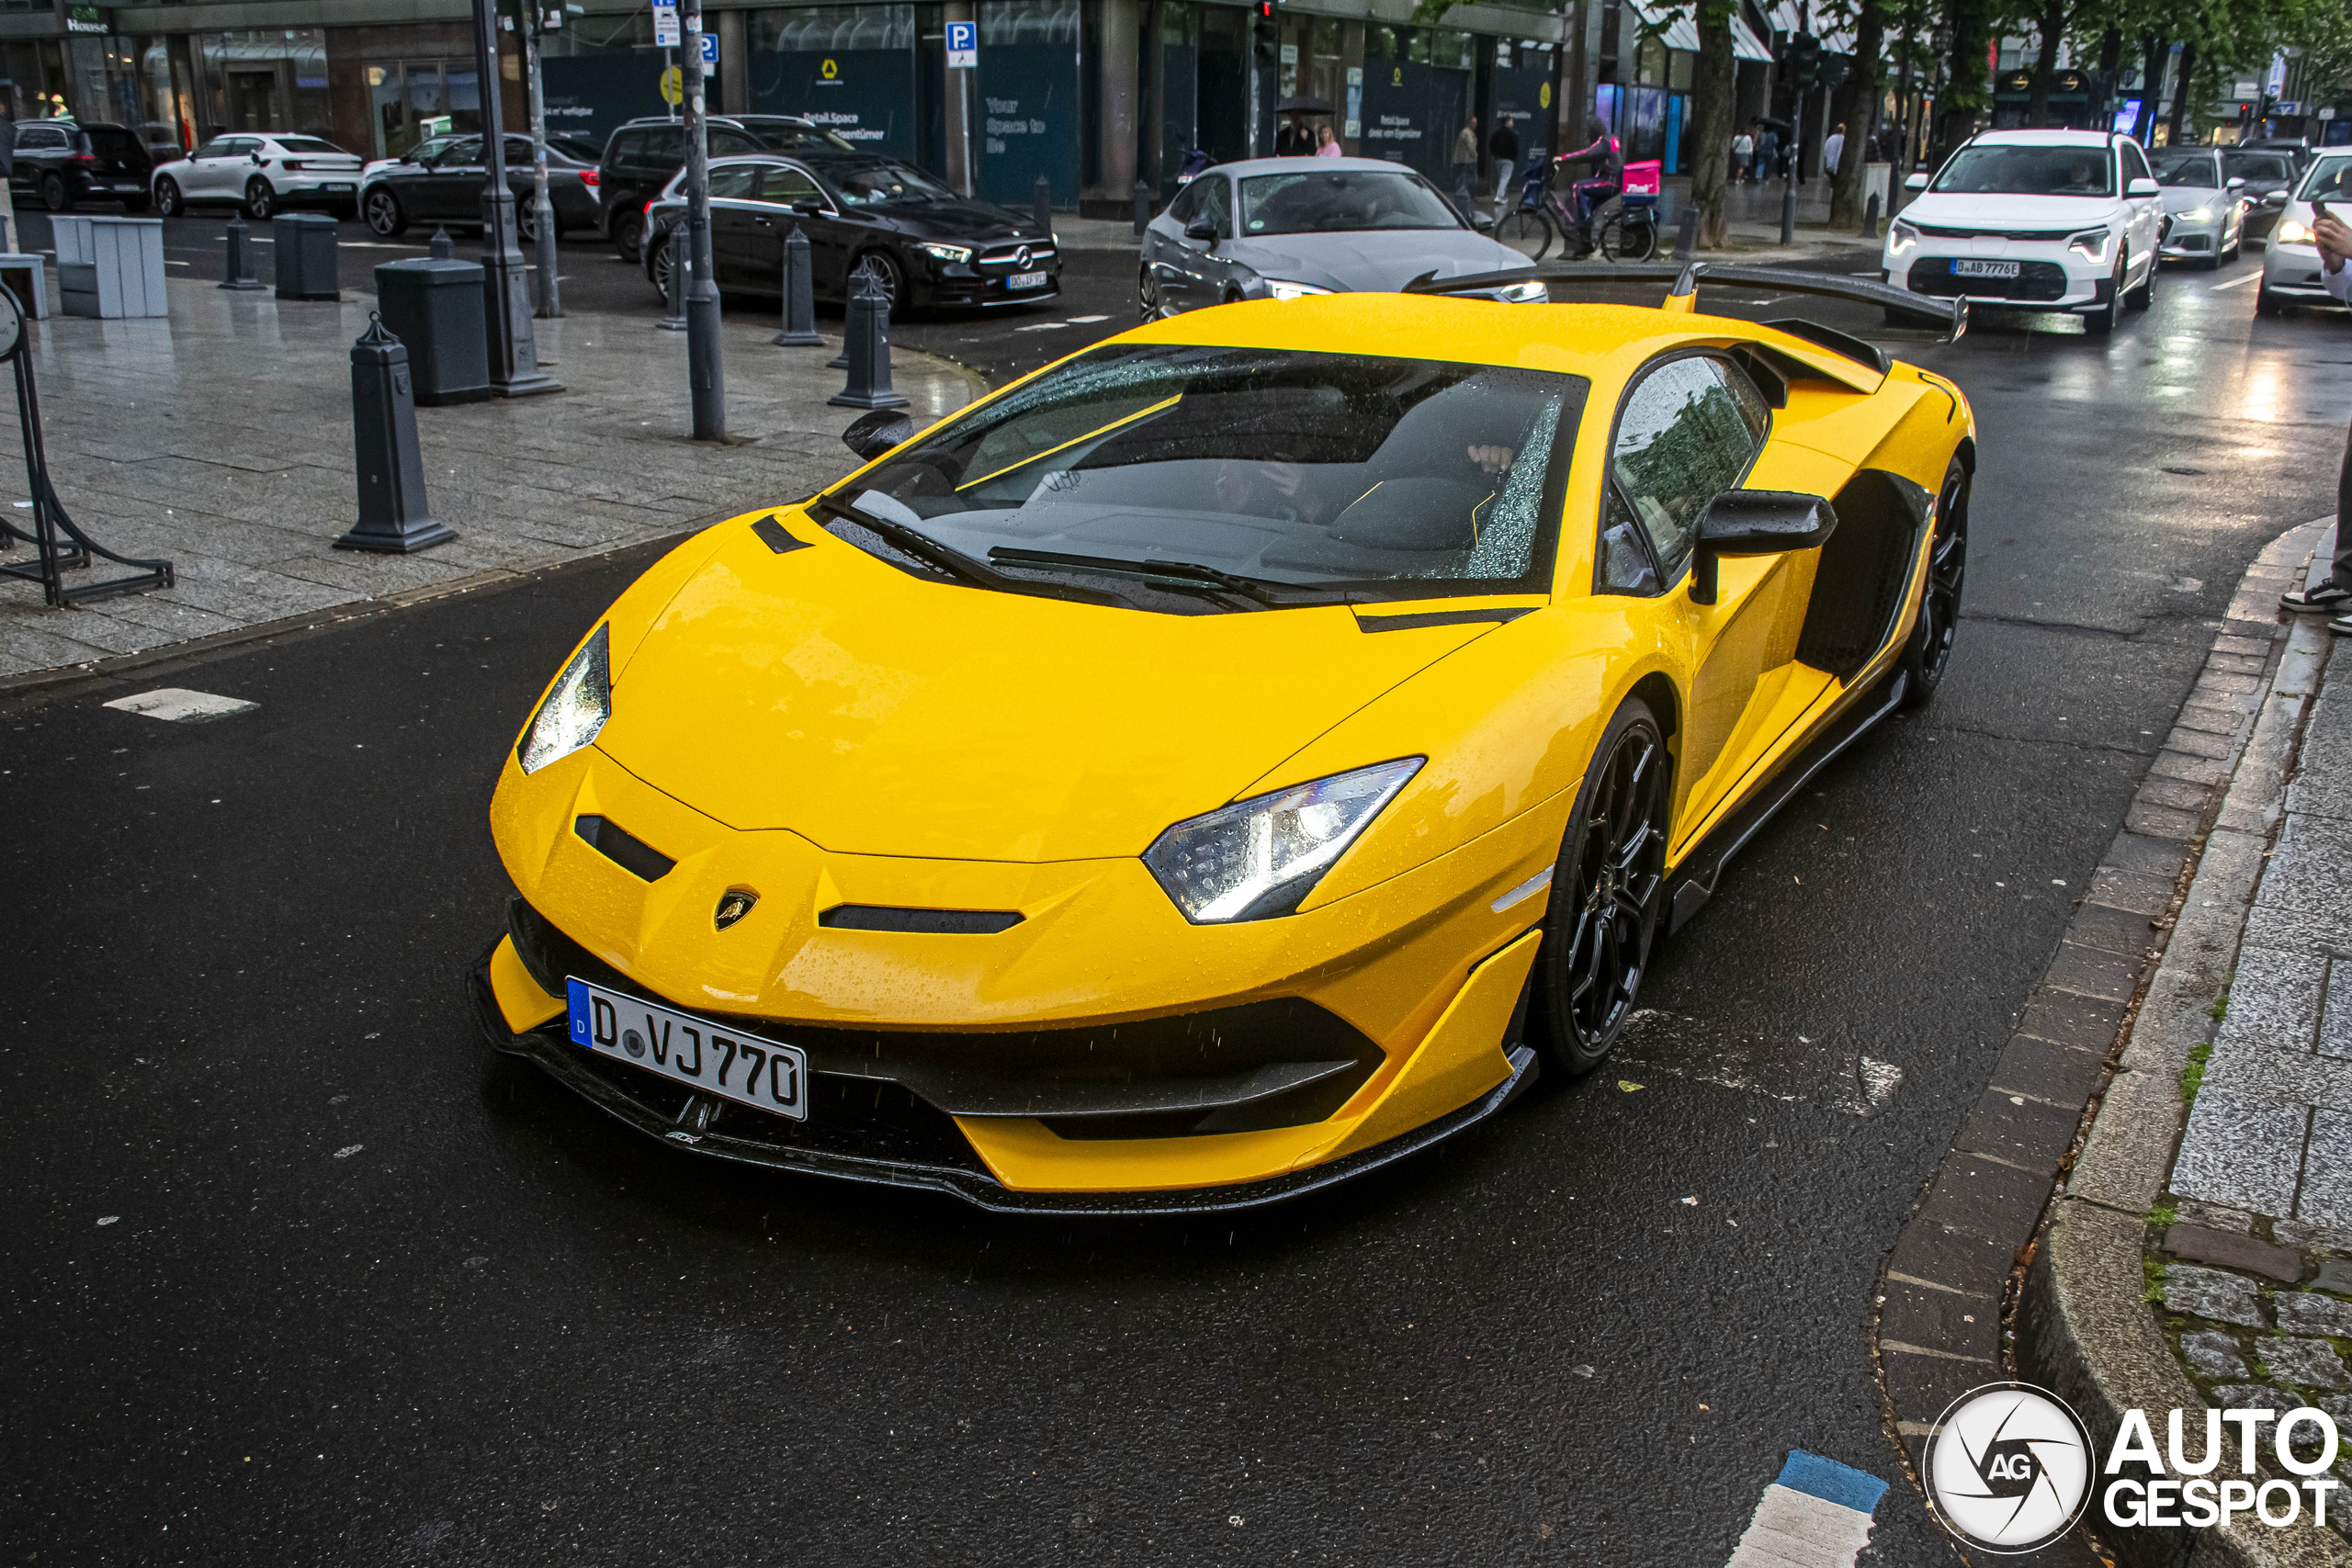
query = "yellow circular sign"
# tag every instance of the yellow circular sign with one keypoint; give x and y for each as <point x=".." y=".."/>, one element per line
<point x="673" y="86"/>
<point x="1543" y="94"/>
<point x="829" y="70"/>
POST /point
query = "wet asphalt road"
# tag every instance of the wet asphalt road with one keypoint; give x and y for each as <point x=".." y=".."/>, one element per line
<point x="287" y="1276"/>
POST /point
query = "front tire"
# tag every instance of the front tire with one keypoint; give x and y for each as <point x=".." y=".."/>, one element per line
<point x="885" y="266"/>
<point x="1928" y="653"/>
<point x="2140" y="298"/>
<point x="1608" y="892"/>
<point x="2102" y="321"/>
<point x="386" y="218"/>
<point x="2265" y="302"/>
<point x="628" y="236"/>
<point x="167" y="198"/>
<point x="55" y="194"/>
<point x="261" y="201"/>
<point x="1150" y="306"/>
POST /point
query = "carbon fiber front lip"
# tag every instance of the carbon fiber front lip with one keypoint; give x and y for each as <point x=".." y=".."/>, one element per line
<point x="555" y="1057"/>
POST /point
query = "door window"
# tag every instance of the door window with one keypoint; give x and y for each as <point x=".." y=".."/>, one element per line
<point x="1689" y="431"/>
<point x="39" y="137"/>
<point x="734" y="182"/>
<point x="2135" y="164"/>
<point x="788" y="188"/>
<point x="1217" y="206"/>
<point x="1187" y="202"/>
<point x="210" y="150"/>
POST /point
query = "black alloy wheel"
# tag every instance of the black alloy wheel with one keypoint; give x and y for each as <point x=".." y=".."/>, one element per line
<point x="628" y="235"/>
<point x="167" y="198"/>
<point x="1608" y="892"/>
<point x="527" y="221"/>
<point x="885" y="266"/>
<point x="1148" y="302"/>
<point x="261" y="201"/>
<point x="55" y="194"/>
<point x="386" y="218"/>
<point x="1928" y="652"/>
<point x="2102" y="321"/>
<point x="657" y="265"/>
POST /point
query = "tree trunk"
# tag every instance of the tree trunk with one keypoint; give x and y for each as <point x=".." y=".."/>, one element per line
<point x="2180" y="90"/>
<point x="2045" y="63"/>
<point x="1855" y="107"/>
<point x="1965" y="96"/>
<point x="1711" y="110"/>
<point x="2152" y="50"/>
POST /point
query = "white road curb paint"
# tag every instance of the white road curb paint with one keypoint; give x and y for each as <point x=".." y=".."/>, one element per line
<point x="179" y="705"/>
<point x="1815" y="1514"/>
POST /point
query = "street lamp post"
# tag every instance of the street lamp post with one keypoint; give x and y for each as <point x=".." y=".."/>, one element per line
<point x="542" y="207"/>
<point x="506" y="298"/>
<point x="704" y="375"/>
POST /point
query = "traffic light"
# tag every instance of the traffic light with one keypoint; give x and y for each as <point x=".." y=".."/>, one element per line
<point x="1802" y="59"/>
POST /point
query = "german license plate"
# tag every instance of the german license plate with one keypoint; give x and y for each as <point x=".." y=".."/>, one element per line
<point x="1025" y="281"/>
<point x="725" y="1061"/>
<point x="332" y="185"/>
<point x="1985" y="268"/>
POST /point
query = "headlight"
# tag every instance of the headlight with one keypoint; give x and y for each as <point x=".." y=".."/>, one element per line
<point x="574" y="711"/>
<point x="1900" y="237"/>
<point x="2292" y="231"/>
<point x="2194" y="215"/>
<point x="2090" y="245"/>
<point x="1524" y="294"/>
<point x="1277" y="288"/>
<point x="958" y="253"/>
<point x="1257" y="858"/>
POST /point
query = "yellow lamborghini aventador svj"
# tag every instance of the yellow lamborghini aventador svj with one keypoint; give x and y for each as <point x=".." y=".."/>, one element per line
<point x="1238" y="755"/>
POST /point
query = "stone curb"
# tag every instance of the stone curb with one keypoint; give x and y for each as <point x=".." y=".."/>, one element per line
<point x="1942" y="1293"/>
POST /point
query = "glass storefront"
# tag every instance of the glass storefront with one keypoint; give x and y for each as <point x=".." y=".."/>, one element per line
<point x="271" y="79"/>
<point x="1029" y="106"/>
<point x="850" y="68"/>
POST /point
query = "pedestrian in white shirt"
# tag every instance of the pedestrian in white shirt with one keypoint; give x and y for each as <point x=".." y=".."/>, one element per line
<point x="1832" y="150"/>
<point x="2334" y="238"/>
<point x="1742" y="152"/>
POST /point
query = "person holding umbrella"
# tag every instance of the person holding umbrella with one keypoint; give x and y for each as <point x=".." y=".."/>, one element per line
<point x="1296" y="139"/>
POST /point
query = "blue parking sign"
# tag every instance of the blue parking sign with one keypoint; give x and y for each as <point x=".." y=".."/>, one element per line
<point x="963" y="45"/>
<point x="709" y="47"/>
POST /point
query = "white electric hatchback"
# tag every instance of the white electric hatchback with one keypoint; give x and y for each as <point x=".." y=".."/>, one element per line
<point x="2037" y="220"/>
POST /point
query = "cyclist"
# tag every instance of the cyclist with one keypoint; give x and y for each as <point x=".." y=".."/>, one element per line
<point x="1608" y="181"/>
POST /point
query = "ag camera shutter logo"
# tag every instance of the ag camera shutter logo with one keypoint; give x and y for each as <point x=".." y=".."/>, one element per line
<point x="2008" y="1468"/>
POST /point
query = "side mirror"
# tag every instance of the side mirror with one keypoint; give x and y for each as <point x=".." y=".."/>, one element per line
<point x="1914" y="182"/>
<point x="1757" y="522"/>
<point x="1201" y="229"/>
<point x="2142" y="188"/>
<point x="871" y="435"/>
<point x="2235" y="182"/>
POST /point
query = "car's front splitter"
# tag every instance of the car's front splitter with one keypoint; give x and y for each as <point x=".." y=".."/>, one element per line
<point x="549" y="1046"/>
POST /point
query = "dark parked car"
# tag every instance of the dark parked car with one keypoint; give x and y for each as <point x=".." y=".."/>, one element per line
<point x="644" y="156"/>
<point x="447" y="186"/>
<point x="2268" y="175"/>
<point x="929" y="245"/>
<point x="63" y="162"/>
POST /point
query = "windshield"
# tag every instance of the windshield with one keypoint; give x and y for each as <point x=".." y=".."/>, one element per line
<point x="1342" y="201"/>
<point x="2008" y="170"/>
<point x="799" y="138"/>
<point x="2330" y="180"/>
<point x="2202" y="170"/>
<point x="309" y="144"/>
<point x="2258" y="166"/>
<point x="875" y="183"/>
<point x="1404" y="477"/>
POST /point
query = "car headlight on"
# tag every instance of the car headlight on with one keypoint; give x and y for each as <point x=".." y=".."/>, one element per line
<point x="1524" y="294"/>
<point x="2090" y="245"/>
<point x="575" y="710"/>
<point x="1260" y="858"/>
<point x="1279" y="289"/>
<point x="2293" y="231"/>
<point x="1900" y="237"/>
<point x="2194" y="215"/>
<point x="956" y="253"/>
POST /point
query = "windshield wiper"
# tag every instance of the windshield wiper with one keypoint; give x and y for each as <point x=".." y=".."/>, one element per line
<point x="1166" y="573"/>
<point x="946" y="557"/>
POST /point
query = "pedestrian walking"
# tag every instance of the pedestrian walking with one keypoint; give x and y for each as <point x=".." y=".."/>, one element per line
<point x="1328" y="143"/>
<point x="1465" y="161"/>
<point x="1743" y="153"/>
<point x="1768" y="154"/>
<point x="1831" y="151"/>
<point x="2334" y="238"/>
<point x="1503" y="147"/>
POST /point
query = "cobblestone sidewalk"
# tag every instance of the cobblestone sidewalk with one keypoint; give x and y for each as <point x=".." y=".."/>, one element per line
<point x="221" y="438"/>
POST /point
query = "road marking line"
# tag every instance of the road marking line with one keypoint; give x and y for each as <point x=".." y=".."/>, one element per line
<point x="1815" y="1513"/>
<point x="2236" y="283"/>
<point x="178" y="705"/>
<point x="1924" y="1350"/>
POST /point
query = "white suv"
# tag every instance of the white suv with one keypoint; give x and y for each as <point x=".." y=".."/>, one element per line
<point x="2037" y="220"/>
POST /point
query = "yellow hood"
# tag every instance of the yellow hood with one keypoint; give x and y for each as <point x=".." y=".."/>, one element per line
<point x="875" y="713"/>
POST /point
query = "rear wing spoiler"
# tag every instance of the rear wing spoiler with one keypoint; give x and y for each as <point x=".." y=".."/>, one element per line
<point x="1684" y="279"/>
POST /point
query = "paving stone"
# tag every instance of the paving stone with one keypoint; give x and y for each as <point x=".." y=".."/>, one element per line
<point x="2146" y="817"/>
<point x="2299" y="930"/>
<point x="2311" y="1235"/>
<point x="2327" y="1168"/>
<point x="2233" y="1249"/>
<point x="2146" y="855"/>
<point x="2064" y="1074"/>
<point x="2210" y="1353"/>
<point x="2086" y="971"/>
<point x="2108" y="930"/>
<point x="2308" y="1312"/>
<point x="2336" y="1012"/>
<point x="2306" y="1363"/>
<point x="2023" y="1132"/>
<point x="2252" y="1396"/>
<point x="2198" y="743"/>
<point x="2143" y="894"/>
<point x="2274" y="1000"/>
<point x="2334" y="1274"/>
<point x="2238" y="664"/>
<point x="2210" y="718"/>
<point x="2311" y="866"/>
<point x="2215" y="1216"/>
<point x="1996" y="1202"/>
<point x="2242" y="1152"/>
<point x="2212" y="1295"/>
<point x="2281" y="1077"/>
<point x="2189" y="769"/>
<point x="2181" y="794"/>
<point x="2084" y="1023"/>
<point x="1964" y="1326"/>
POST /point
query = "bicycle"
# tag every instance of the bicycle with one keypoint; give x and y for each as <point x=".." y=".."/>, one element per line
<point x="1624" y="228"/>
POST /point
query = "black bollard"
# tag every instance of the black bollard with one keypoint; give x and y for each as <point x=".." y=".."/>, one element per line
<point x="867" y="332"/>
<point x="441" y="247"/>
<point x="1143" y="208"/>
<point x="799" y="296"/>
<point x="681" y="263"/>
<point x="1041" y="204"/>
<point x="1870" y="217"/>
<point x="393" y="519"/>
<point x="859" y="276"/>
<point x="1686" y="235"/>
<point x="241" y="258"/>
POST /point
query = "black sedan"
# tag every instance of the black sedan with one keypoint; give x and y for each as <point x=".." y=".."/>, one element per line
<point x="446" y="187"/>
<point x="929" y="245"/>
<point x="2269" y="176"/>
